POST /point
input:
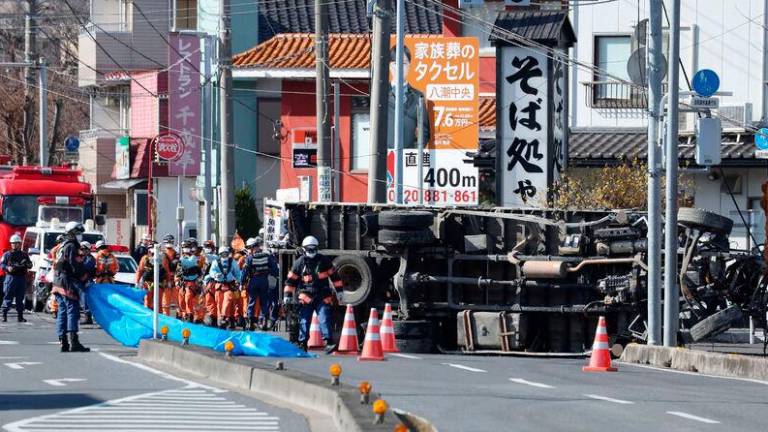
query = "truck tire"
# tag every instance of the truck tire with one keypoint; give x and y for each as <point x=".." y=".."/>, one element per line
<point x="703" y="219"/>
<point x="412" y="329"/>
<point x="716" y="323"/>
<point x="355" y="273"/>
<point x="406" y="219"/>
<point x="415" y="346"/>
<point x="407" y="238"/>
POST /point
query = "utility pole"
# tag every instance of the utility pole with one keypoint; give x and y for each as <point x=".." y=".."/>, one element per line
<point x="377" y="168"/>
<point x="30" y="57"/>
<point x="321" y="102"/>
<point x="42" y="115"/>
<point x="399" y="101"/>
<point x="655" y="64"/>
<point x="765" y="63"/>
<point x="207" y="145"/>
<point x="226" y="147"/>
<point x="671" y="289"/>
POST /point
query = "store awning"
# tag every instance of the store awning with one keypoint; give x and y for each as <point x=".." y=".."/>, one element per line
<point x="122" y="184"/>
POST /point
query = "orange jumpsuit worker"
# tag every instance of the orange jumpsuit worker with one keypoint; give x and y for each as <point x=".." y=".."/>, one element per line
<point x="171" y="294"/>
<point x="209" y="289"/>
<point x="106" y="264"/>
<point x="190" y="270"/>
<point x="145" y="278"/>
<point x="225" y="273"/>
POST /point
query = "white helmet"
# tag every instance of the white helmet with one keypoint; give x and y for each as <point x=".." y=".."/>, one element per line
<point x="15" y="238"/>
<point x="100" y="244"/>
<point x="85" y="245"/>
<point x="74" y="228"/>
<point x="310" y="241"/>
<point x="223" y="250"/>
<point x="250" y="242"/>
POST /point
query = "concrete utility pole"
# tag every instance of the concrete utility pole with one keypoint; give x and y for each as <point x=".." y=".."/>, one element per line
<point x="654" y="173"/>
<point x="377" y="168"/>
<point x="207" y="142"/>
<point x="399" y="101"/>
<point x="226" y="148"/>
<point x="671" y="289"/>
<point x="765" y="63"/>
<point x="30" y="58"/>
<point x="42" y="116"/>
<point x="324" y="177"/>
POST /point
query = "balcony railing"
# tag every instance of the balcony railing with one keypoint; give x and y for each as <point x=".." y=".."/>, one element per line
<point x="616" y="95"/>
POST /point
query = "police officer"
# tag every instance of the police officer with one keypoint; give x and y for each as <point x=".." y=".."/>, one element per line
<point x="89" y="272"/>
<point x="15" y="263"/>
<point x="142" y="248"/>
<point x="259" y="265"/>
<point x="311" y="274"/>
<point x="68" y="273"/>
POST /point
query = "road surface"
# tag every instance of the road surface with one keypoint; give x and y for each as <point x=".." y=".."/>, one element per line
<point x="466" y="393"/>
<point x="42" y="389"/>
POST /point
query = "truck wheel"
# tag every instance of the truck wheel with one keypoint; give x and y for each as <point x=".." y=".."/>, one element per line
<point x="415" y="346"/>
<point x="406" y="220"/>
<point x="356" y="275"/>
<point x="703" y="219"/>
<point x="395" y="237"/>
<point x="412" y="329"/>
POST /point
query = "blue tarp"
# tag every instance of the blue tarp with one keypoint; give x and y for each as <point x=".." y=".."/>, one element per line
<point x="119" y="310"/>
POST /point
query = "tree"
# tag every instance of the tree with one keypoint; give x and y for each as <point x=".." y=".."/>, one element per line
<point x="247" y="221"/>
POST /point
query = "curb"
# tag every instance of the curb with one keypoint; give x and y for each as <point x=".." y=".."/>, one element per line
<point x="709" y="363"/>
<point x="342" y="404"/>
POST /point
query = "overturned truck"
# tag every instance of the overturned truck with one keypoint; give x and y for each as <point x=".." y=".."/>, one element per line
<point x="515" y="280"/>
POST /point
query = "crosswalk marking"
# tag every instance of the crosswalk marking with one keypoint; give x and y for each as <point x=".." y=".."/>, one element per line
<point x="184" y="409"/>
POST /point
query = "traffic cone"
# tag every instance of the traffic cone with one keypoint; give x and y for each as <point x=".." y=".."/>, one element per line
<point x="372" y="343"/>
<point x="315" y="337"/>
<point x="348" y="344"/>
<point x="388" y="343"/>
<point x="600" y="361"/>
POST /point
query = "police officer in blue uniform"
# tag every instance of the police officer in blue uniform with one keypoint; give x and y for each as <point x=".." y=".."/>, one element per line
<point x="15" y="263"/>
<point x="259" y="265"/>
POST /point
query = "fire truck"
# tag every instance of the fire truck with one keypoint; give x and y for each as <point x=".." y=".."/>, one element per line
<point x="29" y="194"/>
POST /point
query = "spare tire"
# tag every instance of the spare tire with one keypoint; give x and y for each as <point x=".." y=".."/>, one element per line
<point x="406" y="238"/>
<point x="699" y="218"/>
<point x="356" y="277"/>
<point x="406" y="219"/>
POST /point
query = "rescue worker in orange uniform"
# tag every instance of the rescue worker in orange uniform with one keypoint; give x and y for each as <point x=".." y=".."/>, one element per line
<point x="106" y="264"/>
<point x="312" y="275"/>
<point x="225" y="274"/>
<point x="190" y="271"/>
<point x="171" y="294"/>
<point x="209" y="288"/>
<point x="145" y="279"/>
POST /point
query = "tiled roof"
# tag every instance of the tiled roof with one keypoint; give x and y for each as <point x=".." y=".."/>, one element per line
<point x="296" y="50"/>
<point x="347" y="16"/>
<point x="547" y="27"/>
<point x="600" y="146"/>
<point x="487" y="113"/>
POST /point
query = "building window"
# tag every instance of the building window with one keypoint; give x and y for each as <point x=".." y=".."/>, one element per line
<point x="361" y="141"/>
<point x="611" y="56"/>
<point x="140" y="207"/>
<point x="186" y="15"/>
<point x="268" y="126"/>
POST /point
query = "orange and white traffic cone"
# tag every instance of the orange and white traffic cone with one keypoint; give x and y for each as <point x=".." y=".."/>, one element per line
<point x="372" y="343"/>
<point x="600" y="361"/>
<point x="348" y="344"/>
<point x="388" y="343"/>
<point x="315" y="337"/>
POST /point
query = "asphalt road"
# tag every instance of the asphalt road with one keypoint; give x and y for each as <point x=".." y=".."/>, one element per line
<point x="467" y="393"/>
<point x="42" y="389"/>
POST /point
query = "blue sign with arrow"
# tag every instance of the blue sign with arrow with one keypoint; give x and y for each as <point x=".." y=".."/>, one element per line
<point x="71" y="144"/>
<point x="705" y="82"/>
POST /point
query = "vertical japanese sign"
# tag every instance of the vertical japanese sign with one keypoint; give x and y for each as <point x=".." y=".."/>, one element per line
<point x="523" y="127"/>
<point x="440" y="109"/>
<point x="559" y="115"/>
<point x="184" y="101"/>
<point x="122" y="158"/>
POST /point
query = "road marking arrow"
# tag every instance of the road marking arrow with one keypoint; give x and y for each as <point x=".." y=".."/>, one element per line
<point x="462" y="367"/>
<point x="61" y="382"/>
<point x="20" y="365"/>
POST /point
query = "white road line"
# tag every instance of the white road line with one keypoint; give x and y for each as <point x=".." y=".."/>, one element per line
<point x="190" y="384"/>
<point x="5" y="342"/>
<point x="608" y="399"/>
<point x="531" y="383"/>
<point x="408" y="356"/>
<point x="62" y="382"/>
<point x="462" y="367"/>
<point x="20" y="365"/>
<point x="693" y="417"/>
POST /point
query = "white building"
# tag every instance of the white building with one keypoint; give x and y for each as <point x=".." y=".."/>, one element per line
<point x="608" y="118"/>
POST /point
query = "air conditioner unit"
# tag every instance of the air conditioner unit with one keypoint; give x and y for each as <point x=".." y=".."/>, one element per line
<point x="735" y="118"/>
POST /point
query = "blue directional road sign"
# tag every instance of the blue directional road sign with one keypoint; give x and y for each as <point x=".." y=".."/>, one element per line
<point x="705" y="82"/>
<point x="71" y="144"/>
<point x="761" y="139"/>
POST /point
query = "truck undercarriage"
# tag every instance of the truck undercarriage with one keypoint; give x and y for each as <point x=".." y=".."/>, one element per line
<point x="516" y="280"/>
